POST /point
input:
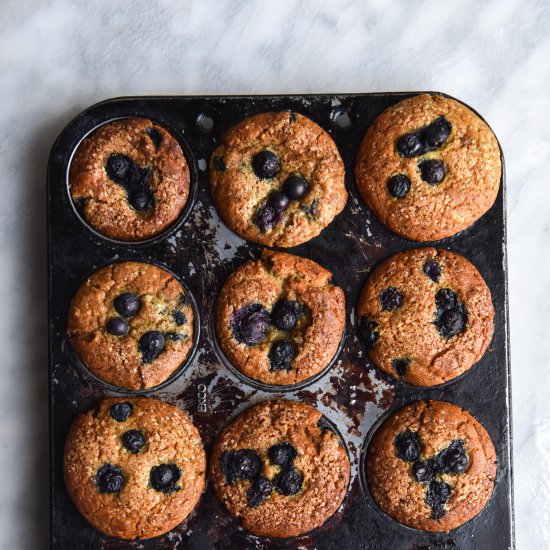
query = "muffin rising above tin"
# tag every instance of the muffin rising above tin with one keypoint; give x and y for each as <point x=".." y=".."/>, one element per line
<point x="135" y="467"/>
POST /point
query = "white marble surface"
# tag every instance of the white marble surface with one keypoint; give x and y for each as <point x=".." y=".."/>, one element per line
<point x="59" y="56"/>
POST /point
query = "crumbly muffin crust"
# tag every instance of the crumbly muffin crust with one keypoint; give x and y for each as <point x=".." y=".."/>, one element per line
<point x="303" y="148"/>
<point x="124" y="360"/>
<point x="439" y="319"/>
<point x="320" y="458"/>
<point x="470" y="470"/>
<point x="426" y="212"/>
<point x="269" y="281"/>
<point x="137" y="509"/>
<point x="160" y="171"/>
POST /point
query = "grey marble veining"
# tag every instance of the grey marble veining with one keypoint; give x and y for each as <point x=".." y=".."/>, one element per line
<point x="59" y="56"/>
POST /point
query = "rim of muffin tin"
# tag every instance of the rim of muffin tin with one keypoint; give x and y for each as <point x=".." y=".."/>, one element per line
<point x="324" y="423"/>
<point x="263" y="386"/>
<point x="193" y="182"/>
<point x="364" y="484"/>
<point x="186" y="363"/>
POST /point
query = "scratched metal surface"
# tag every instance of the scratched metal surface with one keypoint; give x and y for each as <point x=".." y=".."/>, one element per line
<point x="352" y="394"/>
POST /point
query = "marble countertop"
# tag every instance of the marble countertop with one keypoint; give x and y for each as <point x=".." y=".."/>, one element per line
<point x="60" y="56"/>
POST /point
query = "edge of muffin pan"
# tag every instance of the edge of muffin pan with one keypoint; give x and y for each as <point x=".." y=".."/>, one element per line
<point x="143" y="392"/>
<point x="193" y="181"/>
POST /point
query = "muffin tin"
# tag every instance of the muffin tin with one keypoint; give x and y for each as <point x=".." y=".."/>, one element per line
<point x="352" y="394"/>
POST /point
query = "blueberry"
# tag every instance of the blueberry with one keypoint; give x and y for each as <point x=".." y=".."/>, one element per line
<point x="121" y="411"/>
<point x="390" y="299"/>
<point x="141" y="199"/>
<point x="164" y="478"/>
<point x="155" y="136"/>
<point x="284" y="315"/>
<point x="282" y="454"/>
<point x="118" y="167"/>
<point x="179" y="317"/>
<point x="259" y="490"/>
<point x="266" y="164"/>
<point x="451" y="315"/>
<point x="151" y="345"/>
<point x="311" y="209"/>
<point x="241" y="464"/>
<point x="266" y="217"/>
<point x="133" y="440"/>
<point x="410" y="145"/>
<point x="250" y="324"/>
<point x="407" y="446"/>
<point x="423" y="471"/>
<point x="400" y="366"/>
<point x="432" y="171"/>
<point x="278" y="201"/>
<point x="117" y="326"/>
<point x="281" y="354"/>
<point x="219" y="164"/>
<point x="369" y="332"/>
<point x="453" y="459"/>
<point x="437" y="494"/>
<point x="109" y="479"/>
<point x="295" y="187"/>
<point x="437" y="133"/>
<point x="127" y="304"/>
<point x="288" y="482"/>
<point x="399" y="185"/>
<point x="433" y="270"/>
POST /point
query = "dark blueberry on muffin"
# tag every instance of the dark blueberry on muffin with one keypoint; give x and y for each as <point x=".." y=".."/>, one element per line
<point x="117" y="326"/>
<point x="109" y="479"/>
<point x="288" y="482"/>
<point x="390" y="299"/>
<point x="127" y="304"/>
<point x="281" y="354"/>
<point x="282" y="454"/>
<point x="121" y="411"/>
<point x="250" y="324"/>
<point x="266" y="164"/>
<point x="151" y="345"/>
<point x="259" y="490"/>
<point x="399" y="185"/>
<point x="295" y="187"/>
<point x="407" y="446"/>
<point x="432" y="171"/>
<point x="164" y="478"/>
<point x="241" y="464"/>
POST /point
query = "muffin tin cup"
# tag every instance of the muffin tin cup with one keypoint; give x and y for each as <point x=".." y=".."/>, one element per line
<point x="180" y="220"/>
<point x="86" y="372"/>
<point x="202" y="252"/>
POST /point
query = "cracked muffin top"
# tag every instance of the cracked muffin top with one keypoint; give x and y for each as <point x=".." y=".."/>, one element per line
<point x="131" y="324"/>
<point x="425" y="316"/>
<point x="129" y="179"/>
<point x="277" y="179"/>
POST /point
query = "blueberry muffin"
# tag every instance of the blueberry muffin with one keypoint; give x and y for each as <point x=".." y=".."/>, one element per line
<point x="277" y="179"/>
<point x="131" y="324"/>
<point x="129" y="179"/>
<point x="431" y="466"/>
<point x="428" y="167"/>
<point x="135" y="468"/>
<point x="279" y="319"/>
<point x="279" y="469"/>
<point x="425" y="316"/>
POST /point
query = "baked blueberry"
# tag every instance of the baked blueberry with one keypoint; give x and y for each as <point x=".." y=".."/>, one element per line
<point x="133" y="440"/>
<point x="407" y="446"/>
<point x="109" y="479"/>
<point x="446" y="298"/>
<point x="433" y="270"/>
<point x="127" y="304"/>
<point x="266" y="217"/>
<point x="164" y="478"/>
<point x="250" y="324"/>
<point x="369" y="332"/>
<point x="266" y="164"/>
<point x="278" y="201"/>
<point x="410" y="145"/>
<point x="141" y="199"/>
<point x="259" y="490"/>
<point x="437" y="133"/>
<point x="437" y="494"/>
<point x="295" y="187"/>
<point x="155" y="136"/>
<point x="118" y="168"/>
<point x="117" y="326"/>
<point x="451" y="315"/>
<point x="390" y="299"/>
<point x="179" y="317"/>
<point x="399" y="185"/>
<point x="219" y="164"/>
<point x="121" y="411"/>
<point x="151" y="345"/>
<point x="453" y="459"/>
<point x="284" y="315"/>
<point x="423" y="471"/>
<point x="282" y="454"/>
<point x="288" y="482"/>
<point x="241" y="464"/>
<point x="400" y="366"/>
<point x="281" y="354"/>
<point x="432" y="171"/>
<point x="311" y="209"/>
